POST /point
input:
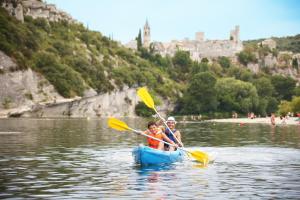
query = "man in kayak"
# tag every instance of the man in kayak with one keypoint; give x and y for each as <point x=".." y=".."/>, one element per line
<point x="171" y="124"/>
<point x="155" y="131"/>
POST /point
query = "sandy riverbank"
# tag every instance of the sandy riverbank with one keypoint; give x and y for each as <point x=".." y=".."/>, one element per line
<point x="265" y="120"/>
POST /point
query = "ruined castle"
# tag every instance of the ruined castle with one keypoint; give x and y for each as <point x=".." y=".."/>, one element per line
<point x="35" y="9"/>
<point x="199" y="47"/>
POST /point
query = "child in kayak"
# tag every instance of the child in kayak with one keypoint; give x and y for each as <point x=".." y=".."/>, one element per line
<point x="155" y="131"/>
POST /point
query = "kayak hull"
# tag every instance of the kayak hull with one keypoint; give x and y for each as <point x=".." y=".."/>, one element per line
<point x="144" y="155"/>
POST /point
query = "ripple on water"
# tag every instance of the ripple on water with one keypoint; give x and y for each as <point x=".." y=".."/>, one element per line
<point x="87" y="162"/>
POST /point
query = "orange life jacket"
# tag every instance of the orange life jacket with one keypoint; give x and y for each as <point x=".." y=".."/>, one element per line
<point x="154" y="143"/>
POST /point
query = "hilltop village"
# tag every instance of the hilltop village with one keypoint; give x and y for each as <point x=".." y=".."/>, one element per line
<point x="199" y="47"/>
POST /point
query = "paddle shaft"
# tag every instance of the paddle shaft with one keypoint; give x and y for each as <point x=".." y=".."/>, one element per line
<point x="167" y="127"/>
<point x="149" y="136"/>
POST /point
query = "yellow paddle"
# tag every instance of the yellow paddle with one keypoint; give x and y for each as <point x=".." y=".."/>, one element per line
<point x="147" y="99"/>
<point x="122" y="126"/>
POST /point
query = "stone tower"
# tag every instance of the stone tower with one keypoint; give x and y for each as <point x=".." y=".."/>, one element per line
<point x="147" y="37"/>
<point x="199" y="36"/>
<point x="235" y="34"/>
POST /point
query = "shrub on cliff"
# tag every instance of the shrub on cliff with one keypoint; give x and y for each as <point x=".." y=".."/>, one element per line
<point x="143" y="111"/>
<point x="67" y="82"/>
<point x="17" y="40"/>
<point x="224" y="62"/>
<point x="246" y="57"/>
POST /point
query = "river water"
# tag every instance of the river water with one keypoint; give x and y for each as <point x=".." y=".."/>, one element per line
<point x="84" y="159"/>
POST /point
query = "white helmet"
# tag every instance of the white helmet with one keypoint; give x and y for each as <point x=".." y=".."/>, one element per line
<point x="171" y="119"/>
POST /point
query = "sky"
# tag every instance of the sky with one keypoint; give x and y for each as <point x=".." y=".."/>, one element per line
<point x="179" y="19"/>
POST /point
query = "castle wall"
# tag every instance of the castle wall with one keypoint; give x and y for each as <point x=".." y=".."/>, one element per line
<point x="201" y="49"/>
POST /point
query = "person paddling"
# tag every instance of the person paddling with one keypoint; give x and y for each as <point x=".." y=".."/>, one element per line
<point x="171" y="124"/>
<point x="154" y="131"/>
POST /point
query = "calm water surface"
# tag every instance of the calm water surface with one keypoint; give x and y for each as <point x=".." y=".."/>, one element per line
<point x="83" y="159"/>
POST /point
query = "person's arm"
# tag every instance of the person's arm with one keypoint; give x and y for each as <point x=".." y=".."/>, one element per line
<point x="178" y="136"/>
<point x="146" y="132"/>
<point x="166" y="138"/>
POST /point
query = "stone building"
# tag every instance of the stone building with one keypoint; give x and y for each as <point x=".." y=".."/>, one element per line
<point x="199" y="47"/>
<point x="14" y="8"/>
<point x="146" y="35"/>
<point x="35" y="9"/>
<point x="269" y="43"/>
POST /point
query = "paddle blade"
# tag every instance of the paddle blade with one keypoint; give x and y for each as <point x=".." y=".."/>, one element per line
<point x="199" y="156"/>
<point x="146" y="97"/>
<point x="117" y="124"/>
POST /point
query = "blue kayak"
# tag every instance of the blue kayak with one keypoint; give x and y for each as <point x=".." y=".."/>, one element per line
<point x="144" y="155"/>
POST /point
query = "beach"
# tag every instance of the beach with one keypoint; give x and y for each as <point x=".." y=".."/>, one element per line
<point x="263" y="120"/>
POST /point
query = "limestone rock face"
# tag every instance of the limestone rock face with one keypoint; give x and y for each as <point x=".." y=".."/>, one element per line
<point x="28" y="94"/>
<point x="254" y="67"/>
<point x="6" y="63"/>
<point x="22" y="88"/>
<point x="35" y="9"/>
<point x="14" y="8"/>
<point x="270" y="61"/>
<point x="117" y="104"/>
<point x="89" y="93"/>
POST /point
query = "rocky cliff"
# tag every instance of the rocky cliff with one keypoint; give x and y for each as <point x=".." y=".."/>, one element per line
<point x="20" y="90"/>
<point x="117" y="103"/>
<point x="35" y="9"/>
<point x="269" y="59"/>
<point x="28" y="94"/>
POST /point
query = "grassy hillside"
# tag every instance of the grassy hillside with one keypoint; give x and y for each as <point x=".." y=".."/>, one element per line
<point x="290" y="43"/>
<point x="74" y="58"/>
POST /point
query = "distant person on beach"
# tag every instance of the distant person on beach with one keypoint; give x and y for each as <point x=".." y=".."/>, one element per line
<point x="283" y="119"/>
<point x="273" y="119"/>
<point x="234" y="115"/>
<point x="298" y="115"/>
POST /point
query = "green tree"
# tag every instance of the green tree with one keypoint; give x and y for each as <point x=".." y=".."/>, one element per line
<point x="143" y="111"/>
<point x="236" y="95"/>
<point x="199" y="67"/>
<point x="139" y="40"/>
<point x="224" y="62"/>
<point x="246" y="56"/>
<point x="182" y="61"/>
<point x="295" y="104"/>
<point x="284" y="87"/>
<point x="264" y="87"/>
<point x="285" y="107"/>
<point x="216" y="69"/>
<point x="272" y="105"/>
<point x="240" y="73"/>
<point x="200" y="96"/>
<point x="297" y="91"/>
<point x="295" y="63"/>
<point x="204" y="60"/>
<point x="265" y="90"/>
